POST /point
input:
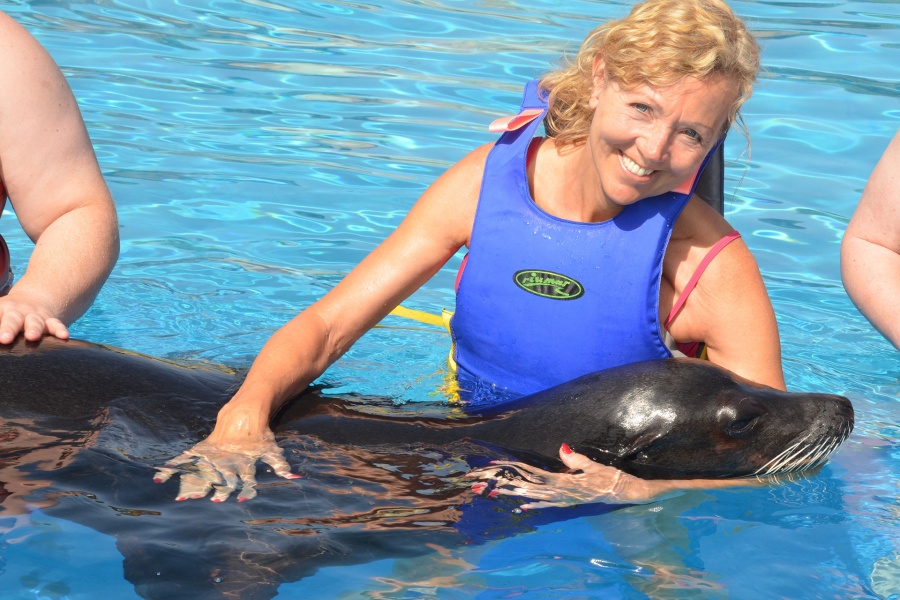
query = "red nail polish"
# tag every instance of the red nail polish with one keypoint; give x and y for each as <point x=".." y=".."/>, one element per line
<point x="566" y="449"/>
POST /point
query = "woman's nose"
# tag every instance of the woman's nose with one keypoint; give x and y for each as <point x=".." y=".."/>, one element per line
<point x="654" y="145"/>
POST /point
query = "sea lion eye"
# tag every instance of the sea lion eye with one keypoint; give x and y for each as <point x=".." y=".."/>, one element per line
<point x="740" y="426"/>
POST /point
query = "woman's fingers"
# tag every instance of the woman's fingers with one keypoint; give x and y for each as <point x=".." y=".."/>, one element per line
<point x="279" y="464"/>
<point x="208" y="468"/>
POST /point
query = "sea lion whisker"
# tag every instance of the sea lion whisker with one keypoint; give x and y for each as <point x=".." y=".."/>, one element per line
<point x="800" y="457"/>
<point x="832" y="446"/>
<point x="827" y="448"/>
<point x="773" y="465"/>
<point x="814" y="456"/>
<point x="804" y="458"/>
<point x="797" y="457"/>
<point x="846" y="429"/>
<point x="776" y="465"/>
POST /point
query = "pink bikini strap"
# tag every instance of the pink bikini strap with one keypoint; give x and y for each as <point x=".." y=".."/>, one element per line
<point x="696" y="276"/>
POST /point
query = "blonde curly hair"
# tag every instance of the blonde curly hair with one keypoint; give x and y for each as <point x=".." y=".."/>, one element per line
<point x="658" y="44"/>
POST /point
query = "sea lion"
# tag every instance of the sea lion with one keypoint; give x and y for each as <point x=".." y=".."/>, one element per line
<point x="661" y="419"/>
<point x="83" y="428"/>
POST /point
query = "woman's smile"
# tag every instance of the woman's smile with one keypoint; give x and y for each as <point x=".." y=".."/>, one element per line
<point x="633" y="167"/>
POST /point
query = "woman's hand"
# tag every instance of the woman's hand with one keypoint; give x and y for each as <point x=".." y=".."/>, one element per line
<point x="587" y="481"/>
<point x="222" y="469"/>
<point x="227" y="458"/>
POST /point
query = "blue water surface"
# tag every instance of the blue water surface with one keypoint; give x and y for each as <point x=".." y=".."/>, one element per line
<point x="258" y="149"/>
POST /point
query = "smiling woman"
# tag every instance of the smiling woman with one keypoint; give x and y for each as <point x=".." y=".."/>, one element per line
<point x="595" y="230"/>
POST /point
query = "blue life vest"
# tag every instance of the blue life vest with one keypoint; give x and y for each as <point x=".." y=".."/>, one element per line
<point x="543" y="300"/>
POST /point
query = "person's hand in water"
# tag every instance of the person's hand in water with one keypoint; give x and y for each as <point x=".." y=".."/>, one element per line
<point x="585" y="482"/>
<point x="227" y="459"/>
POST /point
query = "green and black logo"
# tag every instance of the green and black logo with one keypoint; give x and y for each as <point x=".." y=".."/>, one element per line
<point x="548" y="284"/>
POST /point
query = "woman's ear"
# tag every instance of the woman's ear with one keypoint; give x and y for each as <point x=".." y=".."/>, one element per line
<point x="598" y="80"/>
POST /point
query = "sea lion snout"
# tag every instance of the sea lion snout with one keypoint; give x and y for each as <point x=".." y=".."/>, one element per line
<point x="823" y="423"/>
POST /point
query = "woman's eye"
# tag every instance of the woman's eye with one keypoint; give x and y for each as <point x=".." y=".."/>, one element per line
<point x="642" y="107"/>
<point x="692" y="134"/>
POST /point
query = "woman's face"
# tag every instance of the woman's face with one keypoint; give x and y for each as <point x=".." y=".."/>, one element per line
<point x="647" y="141"/>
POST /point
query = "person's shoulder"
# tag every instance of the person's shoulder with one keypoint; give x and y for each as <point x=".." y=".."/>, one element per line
<point x="697" y="231"/>
<point x="22" y="53"/>
<point x="876" y="218"/>
<point x="700" y="225"/>
<point x="7" y="23"/>
<point x="468" y="172"/>
<point x="477" y="158"/>
<point x="883" y="187"/>
<point x="14" y="35"/>
<point x="461" y="180"/>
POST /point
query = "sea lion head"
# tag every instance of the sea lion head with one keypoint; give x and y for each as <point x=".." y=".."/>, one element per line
<point x="688" y="419"/>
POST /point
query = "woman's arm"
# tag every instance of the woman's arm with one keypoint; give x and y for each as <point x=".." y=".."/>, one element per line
<point x="729" y="309"/>
<point x="54" y="183"/>
<point x="586" y="482"/>
<point x="870" y="250"/>
<point x="437" y="226"/>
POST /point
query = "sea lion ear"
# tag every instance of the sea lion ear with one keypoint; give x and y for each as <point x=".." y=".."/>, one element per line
<point x="639" y="444"/>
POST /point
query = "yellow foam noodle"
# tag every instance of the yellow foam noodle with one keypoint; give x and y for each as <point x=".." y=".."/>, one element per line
<point x="418" y="315"/>
<point x="451" y="388"/>
<point x="446" y="315"/>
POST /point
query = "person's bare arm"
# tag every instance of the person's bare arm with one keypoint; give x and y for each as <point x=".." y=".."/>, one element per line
<point x="586" y="482"/>
<point x="741" y="331"/>
<point x="437" y="226"/>
<point x="870" y="250"/>
<point x="729" y="309"/>
<point x="51" y="176"/>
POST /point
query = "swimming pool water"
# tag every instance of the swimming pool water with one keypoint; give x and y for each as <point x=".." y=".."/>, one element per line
<point x="258" y="149"/>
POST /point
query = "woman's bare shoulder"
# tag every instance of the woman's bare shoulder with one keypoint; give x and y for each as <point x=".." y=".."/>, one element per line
<point x="448" y="206"/>
<point x="700" y="225"/>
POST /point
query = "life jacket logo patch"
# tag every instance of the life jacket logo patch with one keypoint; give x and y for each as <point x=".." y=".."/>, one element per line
<point x="548" y="284"/>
